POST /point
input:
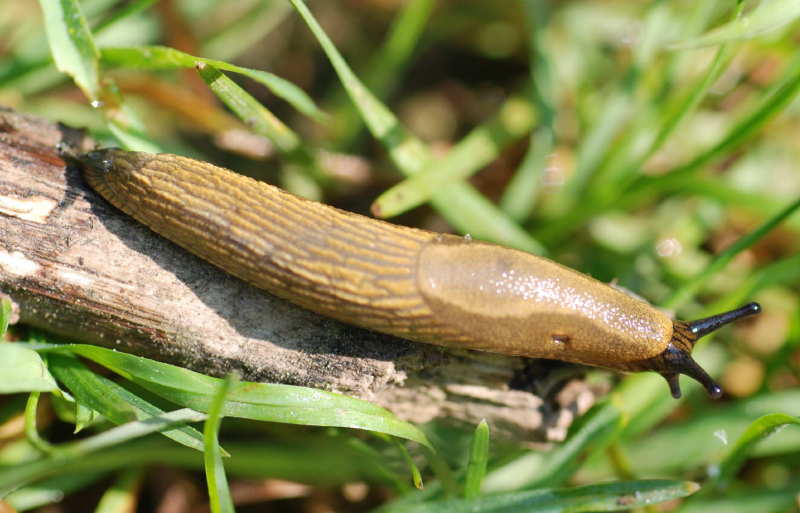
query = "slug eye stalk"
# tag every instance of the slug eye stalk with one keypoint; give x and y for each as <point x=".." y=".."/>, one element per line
<point x="677" y="359"/>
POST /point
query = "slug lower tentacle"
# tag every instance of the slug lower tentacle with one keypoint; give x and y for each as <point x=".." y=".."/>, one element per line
<point x="423" y="286"/>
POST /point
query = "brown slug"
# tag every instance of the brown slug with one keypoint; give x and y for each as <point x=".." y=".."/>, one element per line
<point x="419" y="285"/>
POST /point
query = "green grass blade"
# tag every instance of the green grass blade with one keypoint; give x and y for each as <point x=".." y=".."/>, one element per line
<point x="308" y="459"/>
<point x="604" y="497"/>
<point x="593" y="431"/>
<point x="31" y="432"/>
<point x="410" y="156"/>
<point x="520" y="195"/>
<point x="218" y="491"/>
<point x="257" y="401"/>
<point x="263" y="122"/>
<point x="478" y="460"/>
<point x="755" y="432"/>
<point x="129" y="431"/>
<point x="74" y="52"/>
<point x="165" y="58"/>
<point x="765" y="18"/>
<point x="245" y="32"/>
<point x="5" y="316"/>
<point x="260" y="119"/>
<point x="22" y="370"/>
<point x="51" y="491"/>
<point x="122" y="495"/>
<point x="514" y="119"/>
<point x="128" y="9"/>
<point x="690" y="288"/>
<point x="385" y="68"/>
<point x="416" y="475"/>
<point x="690" y="445"/>
<point x="772" y="104"/>
<point x="645" y="187"/>
<point x="747" y="500"/>
<point x="686" y="106"/>
<point x="470" y="212"/>
<point x="112" y="401"/>
<point x="71" y="44"/>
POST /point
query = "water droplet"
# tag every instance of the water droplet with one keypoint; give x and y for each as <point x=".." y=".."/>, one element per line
<point x="96" y="104"/>
<point x="468" y="238"/>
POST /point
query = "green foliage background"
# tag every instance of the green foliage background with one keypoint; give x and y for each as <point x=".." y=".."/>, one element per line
<point x="652" y="143"/>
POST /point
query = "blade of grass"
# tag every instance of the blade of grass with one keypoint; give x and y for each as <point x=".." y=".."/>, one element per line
<point x="766" y="17"/>
<point x="604" y="497"/>
<point x="71" y="44"/>
<point x="257" y="401"/>
<point x="129" y="431"/>
<point x="165" y="58"/>
<point x="260" y="119"/>
<point x="245" y="32"/>
<point x="112" y="401"/>
<point x="690" y="288"/>
<point x="263" y="122"/>
<point x="385" y="68"/>
<point x="755" y="432"/>
<point x="22" y="370"/>
<point x="51" y="491"/>
<point x="122" y="495"/>
<point x="514" y="119"/>
<point x="644" y="187"/>
<point x="785" y="272"/>
<point x="75" y="53"/>
<point x="478" y="459"/>
<point x="747" y="500"/>
<point x="218" y="492"/>
<point x="690" y="444"/>
<point x="519" y="197"/>
<point x="31" y="433"/>
<point x="771" y="104"/>
<point x="126" y="10"/>
<point x="5" y="316"/>
<point x="307" y="459"/>
<point x="593" y="432"/>
<point x="686" y="106"/>
<point x="416" y="475"/>
<point x="462" y="206"/>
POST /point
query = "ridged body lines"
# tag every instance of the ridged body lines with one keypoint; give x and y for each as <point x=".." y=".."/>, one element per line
<point x="415" y="284"/>
<point x="330" y="261"/>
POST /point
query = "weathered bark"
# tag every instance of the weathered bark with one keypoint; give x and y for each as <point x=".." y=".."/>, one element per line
<point x="75" y="266"/>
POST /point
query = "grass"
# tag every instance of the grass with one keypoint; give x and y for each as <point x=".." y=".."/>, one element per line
<point x="649" y="143"/>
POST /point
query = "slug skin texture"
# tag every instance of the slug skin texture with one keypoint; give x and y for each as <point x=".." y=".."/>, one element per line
<point x="419" y="285"/>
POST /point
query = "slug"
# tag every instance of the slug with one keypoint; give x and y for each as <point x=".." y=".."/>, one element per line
<point x="419" y="285"/>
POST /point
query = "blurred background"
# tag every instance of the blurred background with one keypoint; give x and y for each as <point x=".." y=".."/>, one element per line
<point x="634" y="141"/>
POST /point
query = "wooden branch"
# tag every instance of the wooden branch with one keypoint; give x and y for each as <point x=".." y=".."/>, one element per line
<point x="75" y="266"/>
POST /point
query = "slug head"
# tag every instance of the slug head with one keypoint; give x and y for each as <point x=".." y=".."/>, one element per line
<point x="97" y="162"/>
<point x="677" y="359"/>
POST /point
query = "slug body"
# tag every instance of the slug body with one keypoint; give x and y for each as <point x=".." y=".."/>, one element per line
<point x="419" y="285"/>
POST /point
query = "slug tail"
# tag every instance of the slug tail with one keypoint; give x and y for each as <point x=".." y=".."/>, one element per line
<point x="677" y="359"/>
